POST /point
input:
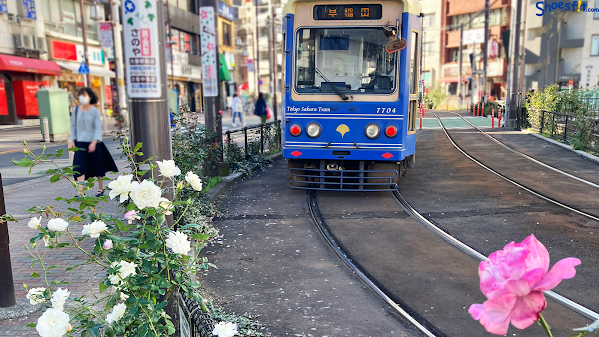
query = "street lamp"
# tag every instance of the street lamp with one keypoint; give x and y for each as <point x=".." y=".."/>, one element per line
<point x="95" y="13"/>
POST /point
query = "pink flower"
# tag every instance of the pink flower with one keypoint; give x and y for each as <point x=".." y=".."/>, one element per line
<point x="107" y="244"/>
<point x="513" y="279"/>
<point x="131" y="215"/>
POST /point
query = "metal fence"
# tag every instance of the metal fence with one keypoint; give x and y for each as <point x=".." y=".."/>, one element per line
<point x="569" y="127"/>
<point x="253" y="140"/>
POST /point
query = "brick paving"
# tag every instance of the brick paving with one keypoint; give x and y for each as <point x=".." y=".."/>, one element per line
<point x="84" y="280"/>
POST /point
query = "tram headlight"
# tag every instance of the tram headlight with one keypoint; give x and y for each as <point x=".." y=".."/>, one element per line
<point x="313" y="130"/>
<point x="295" y="130"/>
<point x="391" y="131"/>
<point x="372" y="131"/>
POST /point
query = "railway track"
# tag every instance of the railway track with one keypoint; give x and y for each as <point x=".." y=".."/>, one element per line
<point x="495" y="140"/>
<point x="526" y="188"/>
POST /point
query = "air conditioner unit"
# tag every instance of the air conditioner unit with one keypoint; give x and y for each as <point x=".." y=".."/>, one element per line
<point x="18" y="41"/>
<point x="28" y="42"/>
<point x="11" y="17"/>
<point x="40" y="44"/>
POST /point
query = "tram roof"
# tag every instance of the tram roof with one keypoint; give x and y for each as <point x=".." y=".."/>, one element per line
<point x="410" y="6"/>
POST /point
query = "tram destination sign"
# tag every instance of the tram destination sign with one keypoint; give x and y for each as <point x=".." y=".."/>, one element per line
<point x="348" y="12"/>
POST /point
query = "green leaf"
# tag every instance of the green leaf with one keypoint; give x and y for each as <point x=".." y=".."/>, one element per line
<point x="31" y="325"/>
<point x="35" y="275"/>
<point x="130" y="21"/>
<point x="25" y="162"/>
<point x="103" y="286"/>
<point x="137" y="147"/>
<point x="55" y="178"/>
<point x="151" y="17"/>
<point x="148" y="5"/>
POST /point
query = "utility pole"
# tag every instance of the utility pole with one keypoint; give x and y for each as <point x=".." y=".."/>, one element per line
<point x="274" y="58"/>
<point x="7" y="287"/>
<point x="486" y="50"/>
<point x="557" y="49"/>
<point x="460" y="94"/>
<point x="83" y="25"/>
<point x="170" y="46"/>
<point x="510" y="118"/>
<point x="118" y="60"/>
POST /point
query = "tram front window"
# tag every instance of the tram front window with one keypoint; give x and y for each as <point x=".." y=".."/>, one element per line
<point x="353" y="60"/>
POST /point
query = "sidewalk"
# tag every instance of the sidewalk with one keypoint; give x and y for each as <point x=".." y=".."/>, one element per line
<point x="84" y="280"/>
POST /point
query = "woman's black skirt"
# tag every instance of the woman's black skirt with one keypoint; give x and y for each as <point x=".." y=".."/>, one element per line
<point x="94" y="164"/>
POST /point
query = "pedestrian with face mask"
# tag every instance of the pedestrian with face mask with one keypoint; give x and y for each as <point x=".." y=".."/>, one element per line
<point x="92" y="159"/>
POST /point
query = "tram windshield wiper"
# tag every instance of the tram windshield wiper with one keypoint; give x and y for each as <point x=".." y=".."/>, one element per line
<point x="337" y="91"/>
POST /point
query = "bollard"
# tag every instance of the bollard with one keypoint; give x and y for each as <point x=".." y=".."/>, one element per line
<point x="493" y="117"/>
<point x="499" y="117"/>
<point x="423" y="111"/>
<point x="473" y="110"/>
<point x="46" y="130"/>
<point x="7" y="288"/>
<point x="421" y="115"/>
<point x="477" y="109"/>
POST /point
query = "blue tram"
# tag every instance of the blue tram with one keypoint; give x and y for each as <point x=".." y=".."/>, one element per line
<point x="351" y="92"/>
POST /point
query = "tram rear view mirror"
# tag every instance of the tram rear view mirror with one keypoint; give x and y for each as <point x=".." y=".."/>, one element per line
<point x="395" y="45"/>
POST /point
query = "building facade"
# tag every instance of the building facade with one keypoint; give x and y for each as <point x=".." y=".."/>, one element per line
<point x="431" y="42"/>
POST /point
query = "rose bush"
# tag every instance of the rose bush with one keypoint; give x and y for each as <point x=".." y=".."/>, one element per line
<point x="143" y="251"/>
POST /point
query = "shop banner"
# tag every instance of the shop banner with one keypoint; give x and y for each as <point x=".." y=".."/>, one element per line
<point x="29" y="9"/>
<point x="105" y="29"/>
<point x="208" y="45"/>
<point x="3" y="6"/>
<point x="226" y="11"/>
<point x="3" y="103"/>
<point x="142" y="58"/>
<point x="74" y="52"/>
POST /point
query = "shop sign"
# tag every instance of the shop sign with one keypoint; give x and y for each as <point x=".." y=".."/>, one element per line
<point x="3" y="103"/>
<point x="193" y="73"/>
<point x="68" y="17"/>
<point x="209" y="61"/>
<point x="3" y="8"/>
<point x="453" y="70"/>
<point x="25" y="100"/>
<point x="474" y="36"/>
<point x="179" y="57"/>
<point x="495" y="68"/>
<point x="29" y="9"/>
<point x="105" y="29"/>
<point x="226" y="11"/>
<point x="427" y="77"/>
<point x="74" y="52"/>
<point x="142" y="58"/>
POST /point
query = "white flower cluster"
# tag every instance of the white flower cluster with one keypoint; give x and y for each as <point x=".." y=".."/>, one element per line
<point x="194" y="181"/>
<point x="225" y="329"/>
<point x="178" y="242"/>
<point x="127" y="269"/>
<point x="36" y="295"/>
<point x="94" y="229"/>
<point x="117" y="313"/>
<point x="54" y="322"/>
<point x="168" y="168"/>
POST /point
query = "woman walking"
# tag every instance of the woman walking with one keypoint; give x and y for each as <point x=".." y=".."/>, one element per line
<point x="260" y="109"/>
<point x="92" y="159"/>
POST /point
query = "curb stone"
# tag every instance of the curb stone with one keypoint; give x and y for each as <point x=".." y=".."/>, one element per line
<point x="230" y="180"/>
<point x="567" y="147"/>
<point x="20" y="309"/>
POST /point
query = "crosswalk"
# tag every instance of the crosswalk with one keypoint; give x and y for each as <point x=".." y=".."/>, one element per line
<point x="430" y="122"/>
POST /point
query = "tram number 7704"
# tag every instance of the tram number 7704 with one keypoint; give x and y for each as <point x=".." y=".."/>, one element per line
<point x="385" y="110"/>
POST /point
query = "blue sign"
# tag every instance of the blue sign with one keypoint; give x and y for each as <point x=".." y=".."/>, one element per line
<point x="259" y="82"/>
<point x="226" y="11"/>
<point x="3" y="7"/>
<point x="83" y="68"/>
<point x="29" y="9"/>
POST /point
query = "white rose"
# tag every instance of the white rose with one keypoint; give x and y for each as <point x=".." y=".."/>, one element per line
<point x="53" y="323"/>
<point x="167" y="205"/>
<point x="59" y="298"/>
<point x="127" y="269"/>
<point x="121" y="187"/>
<point x="168" y="168"/>
<point x="178" y="242"/>
<point x="194" y="181"/>
<point x="94" y="229"/>
<point x="117" y="313"/>
<point x="147" y="194"/>
<point x="225" y="329"/>
<point x="35" y="223"/>
<point x="57" y="225"/>
<point x="36" y="295"/>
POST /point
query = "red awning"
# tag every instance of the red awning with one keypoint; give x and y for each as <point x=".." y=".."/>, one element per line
<point x="451" y="79"/>
<point x="26" y="65"/>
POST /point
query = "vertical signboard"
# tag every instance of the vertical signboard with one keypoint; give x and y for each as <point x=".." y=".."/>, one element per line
<point x="105" y="29"/>
<point x="142" y="58"/>
<point x="3" y="7"/>
<point x="208" y="45"/>
<point x="3" y="103"/>
<point x="29" y="9"/>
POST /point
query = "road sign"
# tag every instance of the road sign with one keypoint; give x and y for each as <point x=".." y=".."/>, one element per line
<point x="259" y="82"/>
<point x="83" y="68"/>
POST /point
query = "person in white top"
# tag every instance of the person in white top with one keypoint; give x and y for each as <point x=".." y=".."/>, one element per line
<point x="237" y="109"/>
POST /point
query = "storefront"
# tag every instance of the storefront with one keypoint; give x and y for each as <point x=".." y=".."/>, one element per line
<point x="20" y="79"/>
<point x="69" y="56"/>
<point x="187" y="81"/>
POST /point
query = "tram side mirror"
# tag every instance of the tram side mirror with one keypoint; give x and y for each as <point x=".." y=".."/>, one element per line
<point x="395" y="45"/>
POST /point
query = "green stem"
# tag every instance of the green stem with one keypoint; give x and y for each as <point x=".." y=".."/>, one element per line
<point x="545" y="326"/>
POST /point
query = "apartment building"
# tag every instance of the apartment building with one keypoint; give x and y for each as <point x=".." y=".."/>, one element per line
<point x="431" y="42"/>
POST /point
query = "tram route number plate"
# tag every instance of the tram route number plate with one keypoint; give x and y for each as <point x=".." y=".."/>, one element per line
<point x="348" y="12"/>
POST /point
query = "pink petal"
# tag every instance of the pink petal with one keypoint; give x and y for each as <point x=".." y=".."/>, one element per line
<point x="496" y="315"/>
<point x="534" y="276"/>
<point x="563" y="269"/>
<point x="476" y="310"/>
<point x="539" y="256"/>
<point x="527" y="308"/>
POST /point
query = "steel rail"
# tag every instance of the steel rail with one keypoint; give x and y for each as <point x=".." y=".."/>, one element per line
<point x="401" y="201"/>
<point x="527" y="156"/>
<point x="319" y="221"/>
<point x="528" y="189"/>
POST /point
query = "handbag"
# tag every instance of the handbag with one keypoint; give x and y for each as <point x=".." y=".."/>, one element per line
<point x="268" y="114"/>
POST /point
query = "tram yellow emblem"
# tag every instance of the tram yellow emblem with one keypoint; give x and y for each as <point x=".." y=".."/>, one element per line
<point x="343" y="129"/>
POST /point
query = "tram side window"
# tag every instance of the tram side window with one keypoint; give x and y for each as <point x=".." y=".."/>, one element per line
<point x="351" y="60"/>
<point x="414" y="63"/>
<point x="412" y="116"/>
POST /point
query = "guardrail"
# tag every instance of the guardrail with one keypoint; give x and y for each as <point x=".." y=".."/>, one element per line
<point x="256" y="138"/>
<point x="567" y="127"/>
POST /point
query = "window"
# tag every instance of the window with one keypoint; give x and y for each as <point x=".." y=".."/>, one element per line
<point x="452" y="90"/>
<point x="226" y="34"/>
<point x="429" y="20"/>
<point x="412" y="116"/>
<point x="414" y="58"/>
<point x="596" y="15"/>
<point x="350" y="60"/>
<point x="69" y="17"/>
<point x="595" y="45"/>
<point x="428" y="48"/>
<point x="195" y="46"/>
<point x="454" y="55"/>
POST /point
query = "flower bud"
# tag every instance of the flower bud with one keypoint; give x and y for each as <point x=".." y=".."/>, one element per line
<point x="107" y="244"/>
<point x="180" y="185"/>
<point x="69" y="327"/>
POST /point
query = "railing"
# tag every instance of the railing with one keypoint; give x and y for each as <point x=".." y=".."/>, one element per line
<point x="256" y="139"/>
<point x="570" y="128"/>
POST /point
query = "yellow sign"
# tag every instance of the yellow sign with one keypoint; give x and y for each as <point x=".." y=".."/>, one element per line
<point x="343" y="129"/>
<point x="96" y="82"/>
